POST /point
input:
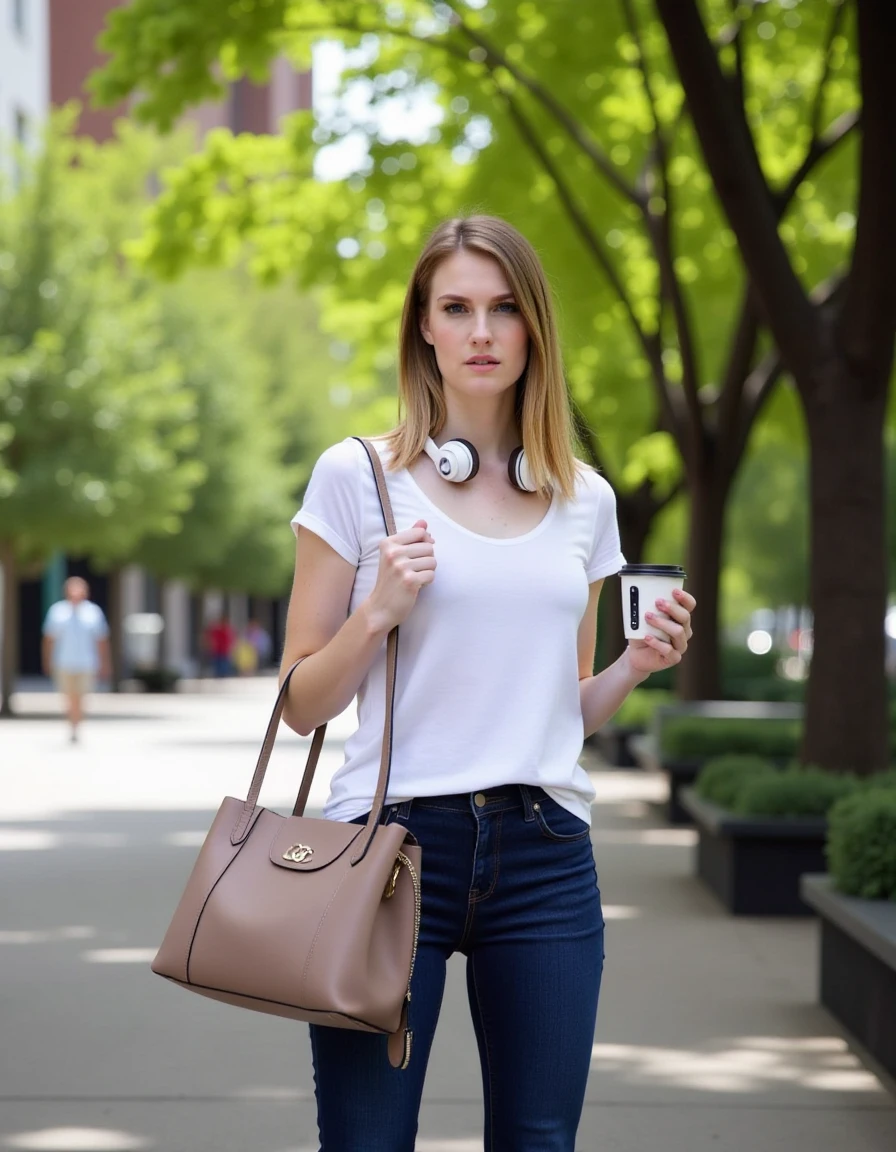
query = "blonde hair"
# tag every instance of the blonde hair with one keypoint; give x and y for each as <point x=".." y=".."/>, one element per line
<point x="542" y="402"/>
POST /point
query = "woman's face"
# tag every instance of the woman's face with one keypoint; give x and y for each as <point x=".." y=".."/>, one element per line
<point x="474" y="325"/>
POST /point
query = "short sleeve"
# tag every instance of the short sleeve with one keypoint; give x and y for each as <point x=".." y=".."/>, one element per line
<point x="331" y="508"/>
<point x="606" y="552"/>
<point x="51" y="623"/>
<point x="100" y="627"/>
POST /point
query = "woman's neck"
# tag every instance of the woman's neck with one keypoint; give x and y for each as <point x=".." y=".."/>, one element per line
<point x="494" y="435"/>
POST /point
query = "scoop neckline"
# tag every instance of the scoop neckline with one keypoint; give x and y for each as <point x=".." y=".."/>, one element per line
<point x="501" y="540"/>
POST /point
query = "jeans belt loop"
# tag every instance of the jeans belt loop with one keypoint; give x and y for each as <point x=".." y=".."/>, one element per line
<point x="527" y="803"/>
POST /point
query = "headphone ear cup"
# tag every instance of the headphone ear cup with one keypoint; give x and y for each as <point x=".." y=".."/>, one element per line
<point x="456" y="460"/>
<point x="467" y="458"/>
<point x="518" y="471"/>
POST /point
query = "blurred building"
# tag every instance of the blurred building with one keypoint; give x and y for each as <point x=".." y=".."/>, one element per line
<point x="73" y="29"/>
<point x="47" y="50"/>
<point x="24" y="77"/>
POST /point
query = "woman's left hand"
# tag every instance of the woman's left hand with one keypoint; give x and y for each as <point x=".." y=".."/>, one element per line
<point x="672" y="617"/>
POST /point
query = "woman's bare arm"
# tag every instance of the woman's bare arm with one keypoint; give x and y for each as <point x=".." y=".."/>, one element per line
<point x="339" y="647"/>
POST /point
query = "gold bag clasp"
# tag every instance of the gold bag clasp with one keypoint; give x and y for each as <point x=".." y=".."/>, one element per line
<point x="298" y="853"/>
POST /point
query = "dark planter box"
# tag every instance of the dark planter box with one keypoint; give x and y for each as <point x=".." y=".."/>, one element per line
<point x="681" y="774"/>
<point x="858" y="965"/>
<point x="753" y="864"/>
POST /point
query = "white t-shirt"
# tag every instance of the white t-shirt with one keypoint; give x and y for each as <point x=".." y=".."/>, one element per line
<point x="487" y="688"/>
<point x="76" y="628"/>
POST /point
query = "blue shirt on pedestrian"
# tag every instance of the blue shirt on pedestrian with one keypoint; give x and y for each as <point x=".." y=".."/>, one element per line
<point x="76" y="629"/>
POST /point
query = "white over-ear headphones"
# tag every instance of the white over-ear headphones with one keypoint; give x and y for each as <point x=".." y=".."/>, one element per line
<point x="458" y="460"/>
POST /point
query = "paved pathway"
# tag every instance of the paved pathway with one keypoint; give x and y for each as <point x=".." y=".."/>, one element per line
<point x="709" y="1036"/>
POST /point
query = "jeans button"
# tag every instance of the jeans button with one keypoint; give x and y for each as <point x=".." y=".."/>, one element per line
<point x="479" y="800"/>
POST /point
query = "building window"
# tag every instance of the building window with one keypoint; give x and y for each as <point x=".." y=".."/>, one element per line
<point x="18" y="16"/>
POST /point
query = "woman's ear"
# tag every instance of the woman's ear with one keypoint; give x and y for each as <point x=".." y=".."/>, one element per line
<point x="424" y="328"/>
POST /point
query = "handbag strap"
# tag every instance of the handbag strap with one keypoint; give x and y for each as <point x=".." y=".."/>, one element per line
<point x="242" y="825"/>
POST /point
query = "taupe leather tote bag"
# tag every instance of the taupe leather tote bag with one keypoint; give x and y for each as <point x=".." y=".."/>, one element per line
<point x="312" y="919"/>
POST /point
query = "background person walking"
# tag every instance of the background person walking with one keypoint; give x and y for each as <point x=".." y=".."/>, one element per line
<point x="76" y="647"/>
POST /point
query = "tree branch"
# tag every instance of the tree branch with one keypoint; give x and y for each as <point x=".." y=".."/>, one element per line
<point x="868" y="321"/>
<point x="573" y="129"/>
<point x="818" y="101"/>
<point x="731" y="32"/>
<point x="741" y="353"/>
<point x="650" y="345"/>
<point x="818" y="148"/>
<point x="756" y="390"/>
<point x="737" y="368"/>
<point x="731" y="157"/>
<point x="660" y="232"/>
<point x="737" y="40"/>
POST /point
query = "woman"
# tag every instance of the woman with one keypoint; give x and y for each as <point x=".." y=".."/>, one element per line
<point x="496" y="591"/>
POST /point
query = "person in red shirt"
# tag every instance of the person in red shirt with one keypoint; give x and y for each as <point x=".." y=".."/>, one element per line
<point x="219" y="640"/>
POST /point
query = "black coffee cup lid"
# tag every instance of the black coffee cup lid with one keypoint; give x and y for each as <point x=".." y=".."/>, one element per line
<point x="674" y="570"/>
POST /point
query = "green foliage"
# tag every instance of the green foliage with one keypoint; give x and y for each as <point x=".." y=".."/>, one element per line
<point x="699" y="737"/>
<point x="878" y="780"/>
<point x="639" y="706"/>
<point x="95" y="418"/>
<point x="171" y="425"/>
<point x="794" y="792"/>
<point x="861" y="846"/>
<point x="235" y="535"/>
<point x="543" y="117"/>
<point x="767" y="530"/>
<point x="539" y="108"/>
<point x="721" y="779"/>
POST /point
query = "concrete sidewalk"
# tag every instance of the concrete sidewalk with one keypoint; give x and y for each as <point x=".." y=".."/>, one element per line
<point x="709" y="1036"/>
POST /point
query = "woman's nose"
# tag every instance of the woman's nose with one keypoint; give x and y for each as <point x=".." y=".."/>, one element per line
<point x="481" y="330"/>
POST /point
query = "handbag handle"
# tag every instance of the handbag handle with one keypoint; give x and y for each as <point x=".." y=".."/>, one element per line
<point x="242" y="825"/>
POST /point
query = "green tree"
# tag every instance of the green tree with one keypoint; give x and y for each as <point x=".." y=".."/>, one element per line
<point x="767" y="530"/>
<point x="93" y="419"/>
<point x="577" y="128"/>
<point x="840" y="352"/>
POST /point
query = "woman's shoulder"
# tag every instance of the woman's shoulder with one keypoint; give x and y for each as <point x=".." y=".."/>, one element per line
<point x="341" y="456"/>
<point x="590" y="484"/>
<point x="346" y="453"/>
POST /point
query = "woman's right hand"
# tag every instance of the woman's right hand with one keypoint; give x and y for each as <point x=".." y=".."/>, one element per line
<point x="407" y="564"/>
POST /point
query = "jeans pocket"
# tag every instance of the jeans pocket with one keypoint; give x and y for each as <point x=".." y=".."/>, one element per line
<point x="391" y="813"/>
<point x="557" y="823"/>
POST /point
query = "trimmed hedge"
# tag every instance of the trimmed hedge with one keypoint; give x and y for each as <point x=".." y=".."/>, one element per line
<point x="703" y="737"/>
<point x="721" y="780"/>
<point x="639" y="706"/>
<point x="794" y="792"/>
<point x="885" y="779"/>
<point x="861" y="847"/>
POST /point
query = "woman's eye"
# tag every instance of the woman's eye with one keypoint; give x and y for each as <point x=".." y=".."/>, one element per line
<point x="451" y="307"/>
<point x="508" y="306"/>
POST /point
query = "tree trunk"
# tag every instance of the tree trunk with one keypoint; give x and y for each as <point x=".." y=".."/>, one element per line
<point x="846" y="706"/>
<point x="9" y="658"/>
<point x="116" y="639"/>
<point x="699" y="675"/>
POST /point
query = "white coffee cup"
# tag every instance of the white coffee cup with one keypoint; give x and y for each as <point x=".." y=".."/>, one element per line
<point x="642" y="586"/>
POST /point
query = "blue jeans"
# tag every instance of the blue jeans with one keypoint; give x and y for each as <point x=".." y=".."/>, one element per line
<point x="508" y="880"/>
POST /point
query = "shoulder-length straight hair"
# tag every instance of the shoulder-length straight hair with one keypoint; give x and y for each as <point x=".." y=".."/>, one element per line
<point x="542" y="402"/>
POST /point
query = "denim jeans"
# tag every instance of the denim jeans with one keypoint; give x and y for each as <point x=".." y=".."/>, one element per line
<point x="508" y="880"/>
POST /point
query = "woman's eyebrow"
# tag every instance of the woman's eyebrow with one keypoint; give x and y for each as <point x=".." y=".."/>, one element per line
<point x="466" y="299"/>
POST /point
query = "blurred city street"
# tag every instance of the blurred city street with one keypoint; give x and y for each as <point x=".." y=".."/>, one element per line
<point x="709" y="1035"/>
